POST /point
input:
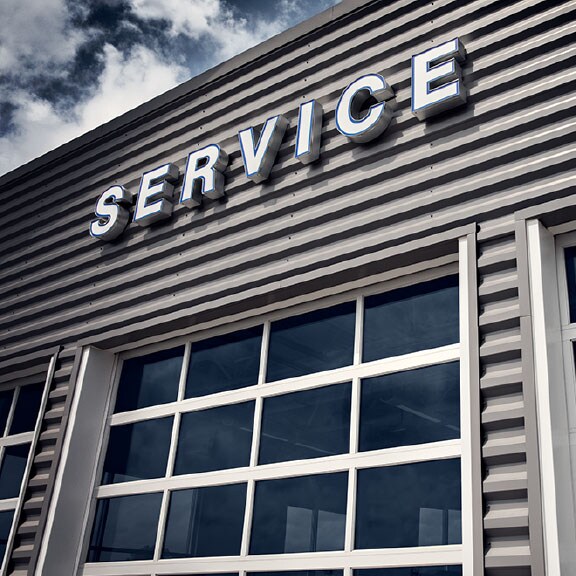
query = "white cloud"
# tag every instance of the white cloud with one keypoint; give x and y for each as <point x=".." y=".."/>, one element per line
<point x="125" y="83"/>
<point x="214" y="22"/>
<point x="38" y="40"/>
<point x="35" y="33"/>
<point x="192" y="18"/>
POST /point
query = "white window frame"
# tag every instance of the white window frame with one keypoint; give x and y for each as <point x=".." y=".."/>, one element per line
<point x="347" y="559"/>
<point x="555" y="383"/>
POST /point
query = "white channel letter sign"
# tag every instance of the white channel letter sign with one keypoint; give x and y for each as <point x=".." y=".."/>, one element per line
<point x="206" y="179"/>
<point x="259" y="158"/>
<point x="437" y="79"/>
<point x="309" y="134"/>
<point x="351" y="119"/>
<point x="363" y="112"/>
<point x="155" y="195"/>
<point x="113" y="213"/>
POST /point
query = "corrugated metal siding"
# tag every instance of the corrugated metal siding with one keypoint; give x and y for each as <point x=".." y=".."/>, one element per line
<point x="512" y="146"/>
<point x="503" y="416"/>
<point x="40" y="481"/>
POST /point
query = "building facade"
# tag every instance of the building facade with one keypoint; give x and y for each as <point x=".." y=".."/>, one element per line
<point x="306" y="312"/>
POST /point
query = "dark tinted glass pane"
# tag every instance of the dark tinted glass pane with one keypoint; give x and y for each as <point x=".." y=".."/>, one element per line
<point x="300" y="573"/>
<point x="137" y="451"/>
<point x="125" y="528"/>
<point x="215" y="439"/>
<point x="12" y="470"/>
<point x="411" y="319"/>
<point x="27" y="407"/>
<point x="412" y="407"/>
<point x="409" y="505"/>
<point x="319" y="340"/>
<point x="224" y="363"/>
<point x="205" y="522"/>
<point x="306" y="424"/>
<point x="305" y="514"/>
<point x="412" y="571"/>
<point x="5" y="526"/>
<point x="149" y="380"/>
<point x="5" y="405"/>
<point x="570" y="257"/>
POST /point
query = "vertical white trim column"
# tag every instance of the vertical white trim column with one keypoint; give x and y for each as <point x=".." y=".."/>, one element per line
<point x="465" y="408"/>
<point x="557" y="500"/>
<point x="66" y="522"/>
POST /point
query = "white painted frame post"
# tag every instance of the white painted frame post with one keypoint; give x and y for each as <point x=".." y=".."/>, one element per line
<point x="553" y="370"/>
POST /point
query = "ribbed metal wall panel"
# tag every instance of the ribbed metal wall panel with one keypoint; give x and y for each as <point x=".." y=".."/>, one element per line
<point x="503" y="417"/>
<point x="512" y="146"/>
<point x="47" y="451"/>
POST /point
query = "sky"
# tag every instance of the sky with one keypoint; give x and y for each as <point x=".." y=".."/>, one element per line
<point x="67" y="66"/>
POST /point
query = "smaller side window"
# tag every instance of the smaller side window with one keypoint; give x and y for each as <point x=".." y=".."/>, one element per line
<point x="19" y="409"/>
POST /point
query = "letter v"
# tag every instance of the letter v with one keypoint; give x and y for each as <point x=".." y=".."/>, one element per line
<point x="259" y="159"/>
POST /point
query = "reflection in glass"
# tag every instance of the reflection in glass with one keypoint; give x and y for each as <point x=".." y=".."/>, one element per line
<point x="409" y="319"/>
<point x="215" y="439"/>
<point x="12" y="470"/>
<point x="225" y="362"/>
<point x="27" y="408"/>
<point x="125" y="528"/>
<point x="5" y="405"/>
<point x="304" y="514"/>
<point x="570" y="258"/>
<point x="307" y="424"/>
<point x="409" y="505"/>
<point x="312" y="342"/>
<point x="412" y="407"/>
<point x="149" y="380"/>
<point x="412" y="571"/>
<point x="205" y="522"/>
<point x="137" y="451"/>
<point x="5" y="526"/>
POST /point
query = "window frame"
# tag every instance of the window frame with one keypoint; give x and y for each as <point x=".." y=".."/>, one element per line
<point x="347" y="559"/>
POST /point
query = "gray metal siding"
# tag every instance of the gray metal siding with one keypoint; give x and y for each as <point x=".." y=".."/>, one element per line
<point x="358" y="211"/>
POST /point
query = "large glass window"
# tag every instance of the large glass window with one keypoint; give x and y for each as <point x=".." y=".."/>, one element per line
<point x="304" y="514"/>
<point x="205" y="522"/>
<point x="150" y="380"/>
<point x="312" y="342"/>
<point x="329" y="430"/>
<point x="215" y="439"/>
<point x="411" y="407"/>
<point x="425" y="495"/>
<point x="125" y="528"/>
<point x="138" y="451"/>
<point x="308" y="424"/>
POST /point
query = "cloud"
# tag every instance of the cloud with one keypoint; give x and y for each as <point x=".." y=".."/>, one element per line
<point x="126" y="82"/>
<point x="67" y="66"/>
<point x="189" y="17"/>
<point x="35" y="33"/>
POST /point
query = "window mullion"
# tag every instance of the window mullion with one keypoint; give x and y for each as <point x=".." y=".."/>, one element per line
<point x="184" y="372"/>
<point x="355" y="416"/>
<point x="173" y="445"/>
<point x="245" y="546"/>
<point x="350" y="511"/>
<point x="359" y="330"/>
<point x="161" y="525"/>
<point x="264" y="353"/>
<point x="12" y="410"/>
